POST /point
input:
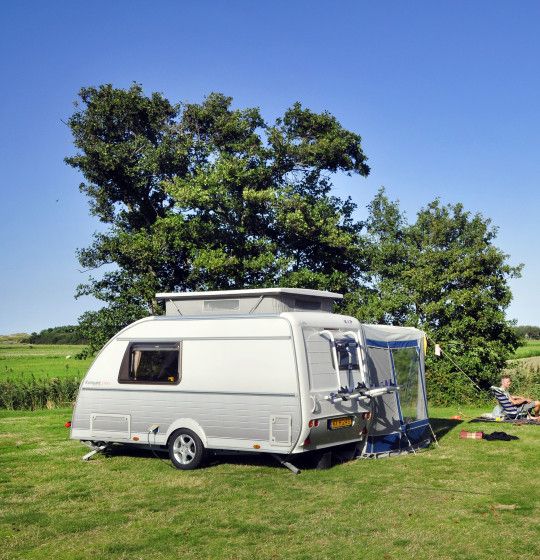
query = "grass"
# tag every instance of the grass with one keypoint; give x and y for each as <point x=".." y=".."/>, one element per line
<point x="41" y="360"/>
<point x="529" y="349"/>
<point x="467" y="499"/>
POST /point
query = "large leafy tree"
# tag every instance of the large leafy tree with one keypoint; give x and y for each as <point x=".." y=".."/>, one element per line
<point x="205" y="196"/>
<point x="443" y="274"/>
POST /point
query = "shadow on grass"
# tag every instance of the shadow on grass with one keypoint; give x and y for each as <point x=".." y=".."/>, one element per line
<point x="309" y="460"/>
<point x="305" y="461"/>
<point x="441" y="426"/>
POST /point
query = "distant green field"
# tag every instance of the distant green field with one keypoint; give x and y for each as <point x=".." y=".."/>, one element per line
<point x="528" y="350"/>
<point x="17" y="360"/>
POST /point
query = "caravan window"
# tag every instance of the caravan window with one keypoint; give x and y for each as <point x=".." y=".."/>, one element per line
<point x="221" y="305"/>
<point x="347" y="353"/>
<point x="151" y="363"/>
<point x="307" y="305"/>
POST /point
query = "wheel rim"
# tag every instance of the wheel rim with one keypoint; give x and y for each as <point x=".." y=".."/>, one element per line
<point x="184" y="449"/>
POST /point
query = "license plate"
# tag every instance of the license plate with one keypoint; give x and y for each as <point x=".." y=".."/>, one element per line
<point x="337" y="423"/>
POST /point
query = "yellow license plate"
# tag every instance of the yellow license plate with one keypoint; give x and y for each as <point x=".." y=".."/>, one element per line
<point x="336" y="423"/>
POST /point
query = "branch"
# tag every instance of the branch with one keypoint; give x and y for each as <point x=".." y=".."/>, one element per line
<point x="93" y="267"/>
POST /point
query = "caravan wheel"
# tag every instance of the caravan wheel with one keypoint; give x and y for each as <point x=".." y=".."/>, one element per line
<point x="186" y="449"/>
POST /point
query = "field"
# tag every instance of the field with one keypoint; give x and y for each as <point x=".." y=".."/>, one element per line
<point x="41" y="360"/>
<point x="467" y="499"/>
<point x="528" y="350"/>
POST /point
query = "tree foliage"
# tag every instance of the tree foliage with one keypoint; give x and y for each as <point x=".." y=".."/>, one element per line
<point x="69" y="334"/>
<point x="444" y="275"/>
<point x="204" y="196"/>
<point x="527" y="332"/>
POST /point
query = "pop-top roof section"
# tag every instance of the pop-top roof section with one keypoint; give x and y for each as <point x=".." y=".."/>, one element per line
<point x="241" y="302"/>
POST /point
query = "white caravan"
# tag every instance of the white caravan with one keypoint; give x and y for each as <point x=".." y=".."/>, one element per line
<point x="267" y="371"/>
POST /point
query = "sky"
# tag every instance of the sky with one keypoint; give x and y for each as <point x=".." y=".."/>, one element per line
<point x="444" y="94"/>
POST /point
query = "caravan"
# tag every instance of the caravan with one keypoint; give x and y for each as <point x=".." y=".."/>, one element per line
<point x="265" y="371"/>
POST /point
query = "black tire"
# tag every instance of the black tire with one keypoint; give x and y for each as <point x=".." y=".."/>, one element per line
<point x="186" y="450"/>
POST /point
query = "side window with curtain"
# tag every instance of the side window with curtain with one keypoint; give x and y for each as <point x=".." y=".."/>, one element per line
<point x="155" y="362"/>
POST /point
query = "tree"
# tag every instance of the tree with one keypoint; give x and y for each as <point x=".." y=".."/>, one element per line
<point x="444" y="275"/>
<point x="68" y="334"/>
<point x="204" y="196"/>
<point x="527" y="332"/>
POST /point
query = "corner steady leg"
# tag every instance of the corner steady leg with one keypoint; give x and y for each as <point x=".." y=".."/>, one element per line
<point x="286" y="464"/>
<point x="90" y="454"/>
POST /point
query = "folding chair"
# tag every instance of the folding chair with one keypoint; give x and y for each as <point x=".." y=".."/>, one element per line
<point x="511" y="411"/>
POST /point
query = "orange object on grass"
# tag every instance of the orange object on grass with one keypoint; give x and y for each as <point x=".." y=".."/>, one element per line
<point x="464" y="434"/>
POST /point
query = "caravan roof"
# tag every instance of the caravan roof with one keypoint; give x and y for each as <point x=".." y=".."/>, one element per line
<point x="222" y="294"/>
<point x="258" y="300"/>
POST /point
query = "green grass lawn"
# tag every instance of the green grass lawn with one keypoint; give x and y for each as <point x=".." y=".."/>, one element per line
<point x="41" y="360"/>
<point x="528" y="350"/>
<point x="467" y="499"/>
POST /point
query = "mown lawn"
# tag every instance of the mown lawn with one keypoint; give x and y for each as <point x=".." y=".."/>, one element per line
<point x="467" y="499"/>
<point x="41" y="360"/>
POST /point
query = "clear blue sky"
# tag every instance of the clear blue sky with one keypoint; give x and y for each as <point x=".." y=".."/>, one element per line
<point x="444" y="94"/>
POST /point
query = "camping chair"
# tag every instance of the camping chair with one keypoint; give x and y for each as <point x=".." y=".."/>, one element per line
<point x="511" y="411"/>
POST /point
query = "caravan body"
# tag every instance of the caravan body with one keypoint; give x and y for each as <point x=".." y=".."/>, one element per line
<point x="270" y="370"/>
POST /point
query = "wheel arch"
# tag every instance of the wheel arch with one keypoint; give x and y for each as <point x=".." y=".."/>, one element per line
<point x="190" y="424"/>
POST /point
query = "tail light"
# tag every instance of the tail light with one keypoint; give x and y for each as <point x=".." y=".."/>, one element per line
<point x="313" y="423"/>
<point x="366" y="415"/>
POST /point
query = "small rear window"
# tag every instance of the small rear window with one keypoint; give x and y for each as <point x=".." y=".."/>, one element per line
<point x="347" y="354"/>
<point x="221" y="305"/>
<point x="307" y="304"/>
<point x="151" y="363"/>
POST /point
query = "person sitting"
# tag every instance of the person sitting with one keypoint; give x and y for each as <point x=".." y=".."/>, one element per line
<point x="526" y="404"/>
